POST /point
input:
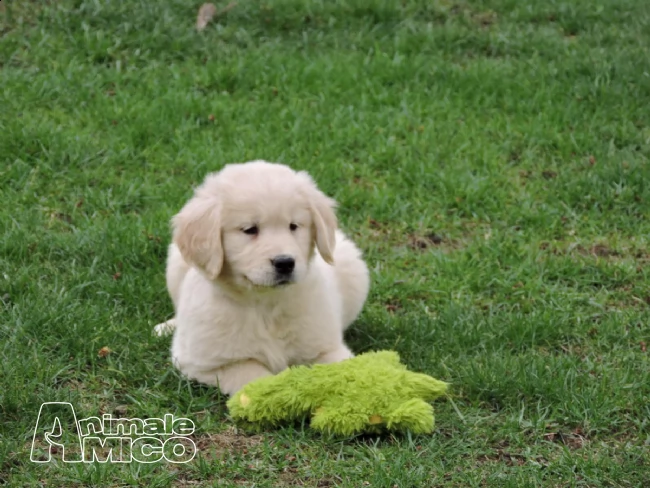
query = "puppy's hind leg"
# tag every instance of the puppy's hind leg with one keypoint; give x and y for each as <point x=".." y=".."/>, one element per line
<point x="177" y="268"/>
<point x="352" y="276"/>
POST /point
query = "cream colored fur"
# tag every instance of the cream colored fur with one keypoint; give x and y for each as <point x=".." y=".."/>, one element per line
<point x="233" y="321"/>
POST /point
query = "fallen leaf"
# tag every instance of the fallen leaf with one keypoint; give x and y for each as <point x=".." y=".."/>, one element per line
<point x="103" y="352"/>
<point x="206" y="14"/>
<point x="120" y="410"/>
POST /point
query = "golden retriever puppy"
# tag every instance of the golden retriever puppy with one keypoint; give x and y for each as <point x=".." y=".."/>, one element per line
<point x="260" y="277"/>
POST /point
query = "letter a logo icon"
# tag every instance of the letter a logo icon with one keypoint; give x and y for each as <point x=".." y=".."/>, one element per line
<point x="56" y="434"/>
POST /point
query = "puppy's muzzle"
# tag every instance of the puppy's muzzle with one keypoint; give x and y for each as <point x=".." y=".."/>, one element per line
<point x="284" y="266"/>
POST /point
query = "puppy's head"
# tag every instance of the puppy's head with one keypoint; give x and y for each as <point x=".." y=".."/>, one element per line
<point x="256" y="225"/>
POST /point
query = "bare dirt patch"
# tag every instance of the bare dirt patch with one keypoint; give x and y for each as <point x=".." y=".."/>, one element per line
<point x="292" y="477"/>
<point x="504" y="454"/>
<point x="425" y="241"/>
<point x="574" y="440"/>
<point x="599" y="250"/>
<point x="503" y="457"/>
<point x="420" y="240"/>
<point x="222" y="443"/>
<point x="432" y="240"/>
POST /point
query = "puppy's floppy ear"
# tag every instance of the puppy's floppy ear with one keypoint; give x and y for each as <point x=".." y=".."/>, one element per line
<point x="197" y="233"/>
<point x="325" y="222"/>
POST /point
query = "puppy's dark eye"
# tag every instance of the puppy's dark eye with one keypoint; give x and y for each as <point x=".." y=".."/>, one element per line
<point x="293" y="227"/>
<point x="251" y="231"/>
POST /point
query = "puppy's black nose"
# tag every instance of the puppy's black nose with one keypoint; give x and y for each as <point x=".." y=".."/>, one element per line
<point x="284" y="264"/>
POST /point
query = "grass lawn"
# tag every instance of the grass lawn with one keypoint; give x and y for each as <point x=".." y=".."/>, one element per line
<point x="489" y="156"/>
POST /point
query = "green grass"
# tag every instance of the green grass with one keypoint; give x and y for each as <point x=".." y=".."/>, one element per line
<point x="490" y="158"/>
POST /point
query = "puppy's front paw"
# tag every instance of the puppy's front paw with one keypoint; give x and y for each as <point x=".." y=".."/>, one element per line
<point x="340" y="354"/>
<point x="165" y="328"/>
<point x="234" y="377"/>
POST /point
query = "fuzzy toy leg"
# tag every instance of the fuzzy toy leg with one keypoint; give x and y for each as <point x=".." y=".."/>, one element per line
<point x="415" y="415"/>
<point x="334" y="421"/>
<point x="426" y="387"/>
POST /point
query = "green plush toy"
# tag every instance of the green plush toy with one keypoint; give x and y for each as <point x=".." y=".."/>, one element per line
<point x="369" y="393"/>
